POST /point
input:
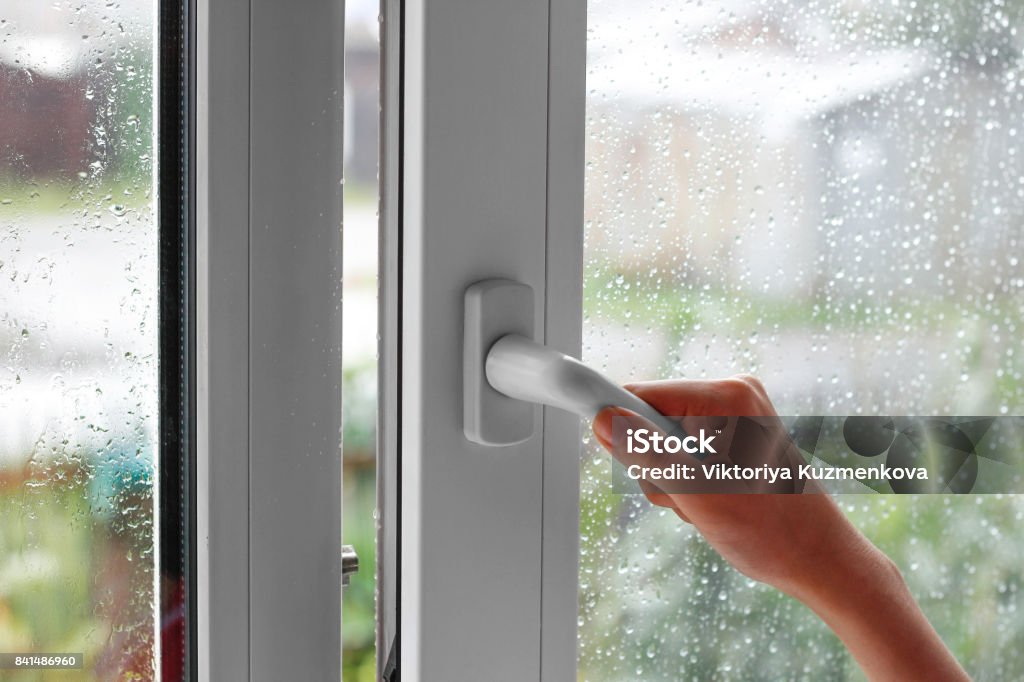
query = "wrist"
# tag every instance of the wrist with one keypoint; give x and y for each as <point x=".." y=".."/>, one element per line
<point x="839" y="568"/>
<point x="855" y="577"/>
<point x="862" y="596"/>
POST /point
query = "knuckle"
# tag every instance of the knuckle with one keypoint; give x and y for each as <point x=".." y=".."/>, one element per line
<point x="734" y="389"/>
<point x="743" y="395"/>
<point x="753" y="382"/>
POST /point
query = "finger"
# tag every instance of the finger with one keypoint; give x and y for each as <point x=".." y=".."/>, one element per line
<point x="681" y="515"/>
<point x="656" y="495"/>
<point x="736" y="410"/>
<point x="661" y="499"/>
<point x="602" y="429"/>
<point x="736" y="396"/>
<point x="612" y="427"/>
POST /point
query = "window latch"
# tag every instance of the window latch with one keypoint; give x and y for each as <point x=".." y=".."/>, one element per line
<point x="349" y="564"/>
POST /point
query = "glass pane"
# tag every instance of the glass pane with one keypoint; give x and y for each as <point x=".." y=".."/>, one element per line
<point x="79" y="376"/>
<point x="359" y="326"/>
<point x="830" y="196"/>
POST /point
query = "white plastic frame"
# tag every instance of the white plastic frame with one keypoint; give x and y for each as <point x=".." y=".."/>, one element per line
<point x="269" y="84"/>
<point x="482" y="166"/>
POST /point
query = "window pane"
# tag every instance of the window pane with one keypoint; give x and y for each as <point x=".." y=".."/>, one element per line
<point x="830" y="196"/>
<point x="79" y="309"/>
<point x="359" y="326"/>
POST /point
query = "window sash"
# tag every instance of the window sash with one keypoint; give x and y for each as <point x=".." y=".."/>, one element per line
<point x="482" y="176"/>
<point x="269" y="83"/>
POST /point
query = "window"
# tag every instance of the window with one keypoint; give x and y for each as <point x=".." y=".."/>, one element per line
<point x="170" y="456"/>
<point x="829" y="196"/>
<point x="359" y="343"/>
<point x="269" y="155"/>
<point x="481" y="177"/>
<point x="93" y="458"/>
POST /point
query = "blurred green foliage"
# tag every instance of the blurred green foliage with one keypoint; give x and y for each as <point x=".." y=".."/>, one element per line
<point x="358" y="620"/>
<point x="50" y="542"/>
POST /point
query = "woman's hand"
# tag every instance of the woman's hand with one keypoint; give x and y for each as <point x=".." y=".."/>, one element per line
<point x="778" y="539"/>
<point x="801" y="544"/>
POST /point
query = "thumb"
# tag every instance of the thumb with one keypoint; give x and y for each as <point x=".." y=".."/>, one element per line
<point x="611" y="425"/>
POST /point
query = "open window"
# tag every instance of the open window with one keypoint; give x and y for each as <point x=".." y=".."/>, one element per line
<point x="482" y="171"/>
<point x="825" y="195"/>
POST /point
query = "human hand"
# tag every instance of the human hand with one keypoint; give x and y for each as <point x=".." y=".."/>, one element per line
<point x="800" y="543"/>
<point x="783" y="539"/>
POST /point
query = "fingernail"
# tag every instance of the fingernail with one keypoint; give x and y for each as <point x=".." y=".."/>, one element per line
<point x="603" y="424"/>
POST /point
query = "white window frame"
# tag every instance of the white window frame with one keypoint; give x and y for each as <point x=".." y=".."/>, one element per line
<point x="268" y="206"/>
<point x="482" y="166"/>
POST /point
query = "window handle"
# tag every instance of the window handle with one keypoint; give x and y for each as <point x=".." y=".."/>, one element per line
<point x="526" y="370"/>
<point x="504" y="371"/>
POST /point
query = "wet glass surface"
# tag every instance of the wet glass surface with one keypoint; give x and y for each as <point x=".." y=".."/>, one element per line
<point x="78" y="321"/>
<point x="830" y="196"/>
